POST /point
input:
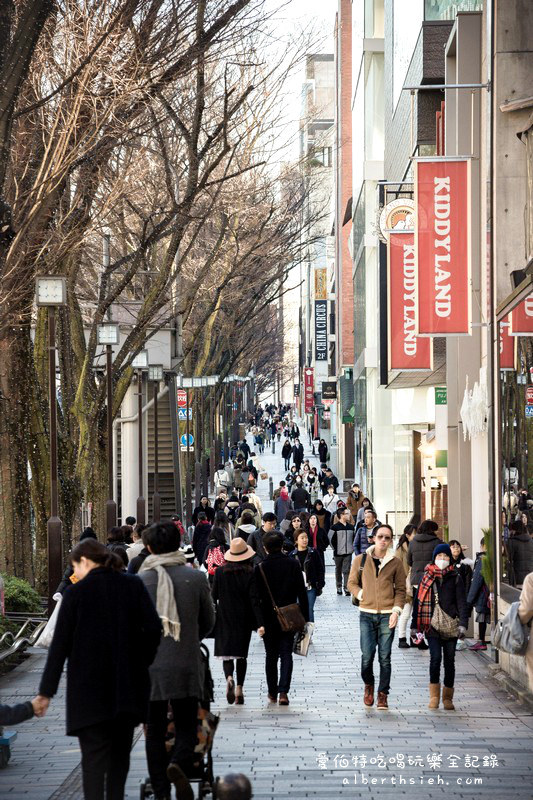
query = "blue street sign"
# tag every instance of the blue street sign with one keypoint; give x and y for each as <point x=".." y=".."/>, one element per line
<point x="529" y="411"/>
<point x="183" y="440"/>
<point x="182" y="413"/>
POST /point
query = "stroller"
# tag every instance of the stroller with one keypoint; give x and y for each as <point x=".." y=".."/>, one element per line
<point x="203" y="775"/>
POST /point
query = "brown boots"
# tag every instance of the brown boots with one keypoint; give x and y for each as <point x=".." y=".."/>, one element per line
<point x="447" y="698"/>
<point x="434" y="695"/>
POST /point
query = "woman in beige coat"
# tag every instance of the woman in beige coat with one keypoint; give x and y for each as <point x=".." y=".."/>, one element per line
<point x="525" y="612"/>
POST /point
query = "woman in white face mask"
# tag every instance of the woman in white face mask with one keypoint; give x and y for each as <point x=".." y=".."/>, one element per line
<point x="443" y="617"/>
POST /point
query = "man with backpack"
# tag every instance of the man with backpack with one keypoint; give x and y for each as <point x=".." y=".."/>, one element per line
<point x="377" y="582"/>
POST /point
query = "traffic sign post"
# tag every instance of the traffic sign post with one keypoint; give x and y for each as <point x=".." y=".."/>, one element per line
<point x="529" y="395"/>
<point x="182" y="413"/>
<point x="184" y="438"/>
<point x="181" y="398"/>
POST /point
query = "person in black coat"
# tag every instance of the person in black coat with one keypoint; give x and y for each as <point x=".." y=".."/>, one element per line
<point x="116" y="542"/>
<point x="286" y="583"/>
<point x="200" y="537"/>
<point x="238" y="614"/>
<point x="87" y="533"/>
<point x="312" y="568"/>
<point x="297" y="454"/>
<point x="286" y="451"/>
<point x="441" y="579"/>
<point x="204" y="506"/>
<point x="108" y="630"/>
<point x="300" y="497"/>
<point x="323" y="451"/>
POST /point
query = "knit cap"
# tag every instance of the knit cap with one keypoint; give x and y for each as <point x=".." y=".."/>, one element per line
<point x="442" y="548"/>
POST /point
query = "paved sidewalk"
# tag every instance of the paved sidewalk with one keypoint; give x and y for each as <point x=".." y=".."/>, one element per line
<point x="283" y="749"/>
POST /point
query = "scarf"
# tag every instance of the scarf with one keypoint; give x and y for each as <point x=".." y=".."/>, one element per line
<point x="165" y="599"/>
<point x="425" y="610"/>
<point x="313" y="533"/>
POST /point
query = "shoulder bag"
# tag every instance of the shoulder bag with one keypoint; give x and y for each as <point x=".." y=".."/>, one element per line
<point x="290" y="618"/>
<point x="446" y="626"/>
<point x="355" y="599"/>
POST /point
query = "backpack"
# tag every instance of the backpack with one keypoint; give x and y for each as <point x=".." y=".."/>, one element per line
<point x="215" y="559"/>
<point x="510" y="635"/>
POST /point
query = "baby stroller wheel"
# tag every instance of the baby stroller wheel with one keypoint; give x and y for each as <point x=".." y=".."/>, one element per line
<point x="146" y="790"/>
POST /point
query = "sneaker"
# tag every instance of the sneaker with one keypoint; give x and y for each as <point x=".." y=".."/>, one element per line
<point x="339" y="590"/>
<point x="368" y="698"/>
<point x="382" y="702"/>
<point x="347" y="593"/>
<point x="477" y="646"/>
<point x="402" y="643"/>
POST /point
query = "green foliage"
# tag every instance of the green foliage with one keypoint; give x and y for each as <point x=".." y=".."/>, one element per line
<point x="487" y="562"/>
<point x="20" y="596"/>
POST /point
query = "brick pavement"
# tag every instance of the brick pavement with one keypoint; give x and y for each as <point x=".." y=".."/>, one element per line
<point x="279" y="747"/>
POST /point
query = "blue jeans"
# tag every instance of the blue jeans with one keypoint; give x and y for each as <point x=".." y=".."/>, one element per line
<point x="311" y="597"/>
<point x="439" y="650"/>
<point x="375" y="632"/>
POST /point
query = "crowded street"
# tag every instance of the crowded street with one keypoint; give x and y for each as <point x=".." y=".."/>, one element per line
<point x="326" y="744"/>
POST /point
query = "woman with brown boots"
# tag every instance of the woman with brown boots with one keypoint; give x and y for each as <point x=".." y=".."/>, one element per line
<point x="443" y="617"/>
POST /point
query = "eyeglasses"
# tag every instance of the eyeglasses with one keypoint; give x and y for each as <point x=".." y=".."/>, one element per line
<point x="385" y="538"/>
<point x="295" y="520"/>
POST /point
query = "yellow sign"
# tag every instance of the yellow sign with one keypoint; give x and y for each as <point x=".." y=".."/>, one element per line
<point x="321" y="284"/>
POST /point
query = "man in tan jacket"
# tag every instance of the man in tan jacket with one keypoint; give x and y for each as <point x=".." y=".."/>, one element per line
<point x="377" y="579"/>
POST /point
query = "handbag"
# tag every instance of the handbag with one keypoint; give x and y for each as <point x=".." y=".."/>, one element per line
<point x="446" y="626"/>
<point x="45" y="638"/>
<point x="263" y="476"/>
<point x="302" y="640"/>
<point x="290" y="618"/>
<point x="510" y="634"/>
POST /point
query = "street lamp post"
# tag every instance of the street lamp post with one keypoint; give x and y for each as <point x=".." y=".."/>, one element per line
<point x="155" y="374"/>
<point x="108" y="334"/>
<point x="139" y="363"/>
<point x="51" y="291"/>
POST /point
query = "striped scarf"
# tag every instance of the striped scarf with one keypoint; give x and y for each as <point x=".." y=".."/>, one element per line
<point x="425" y="610"/>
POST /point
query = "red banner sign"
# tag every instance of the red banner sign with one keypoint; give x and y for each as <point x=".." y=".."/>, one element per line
<point x="181" y="398"/>
<point x="309" y="389"/>
<point x="443" y="248"/>
<point x="521" y="318"/>
<point x="406" y="350"/>
<point x="506" y="346"/>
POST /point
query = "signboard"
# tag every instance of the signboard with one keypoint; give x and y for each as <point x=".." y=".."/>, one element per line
<point x="443" y="246"/>
<point x="507" y="344"/>
<point x="321" y="330"/>
<point x="529" y="395"/>
<point x="327" y="402"/>
<point x="326" y="415"/>
<point x="529" y="411"/>
<point x="521" y="318"/>
<point x="406" y="350"/>
<point x="321" y="283"/>
<point x="398" y="215"/>
<point x="329" y="390"/>
<point x="182" y="413"/>
<point x="181" y="398"/>
<point x="183" y="442"/>
<point x="297" y="390"/>
<point x="309" y="389"/>
<point x="441" y="396"/>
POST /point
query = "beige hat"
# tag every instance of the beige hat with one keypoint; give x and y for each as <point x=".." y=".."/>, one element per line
<point x="239" y="550"/>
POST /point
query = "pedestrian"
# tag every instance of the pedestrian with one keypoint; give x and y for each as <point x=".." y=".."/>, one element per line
<point x="221" y="499"/>
<point x="364" y="534"/>
<point x="441" y="585"/>
<point x="282" y="504"/>
<point x="463" y="565"/>
<point x="276" y="493"/>
<point x="183" y="601"/>
<point x="206" y="507"/>
<point x="214" y="552"/>
<point x="323" y="515"/>
<point x="294" y="432"/>
<point x="318" y="537"/>
<point x="117" y="544"/>
<point x="66" y="580"/>
<point x="329" y="479"/>
<point x="291" y="477"/>
<point x="401" y="553"/>
<point x="323" y="452"/>
<point x="330" y="500"/>
<point x="176" y="520"/>
<point x="137" y="543"/>
<point x="419" y="555"/>
<point x="377" y="580"/>
<point x="135" y="563"/>
<point x="300" y="496"/>
<point x="297" y="454"/>
<point x="312" y="568"/>
<point x="108" y="632"/>
<point x="246" y="525"/>
<point x="312" y="484"/>
<point x="222" y="521"/>
<point x="519" y="553"/>
<point x="238" y="613"/>
<point x="342" y="536"/>
<point x="14" y="715"/>
<point x="478" y="597"/>
<point x="282" y="578"/>
<point x="200" y="536"/>
<point x="255" y="500"/>
<point x="232" y="508"/>
<point x="525" y="612"/>
<point x="255" y="538"/>
<point x="222" y="479"/>
<point x="366" y="503"/>
<point x="354" y="501"/>
<point x="237" y="475"/>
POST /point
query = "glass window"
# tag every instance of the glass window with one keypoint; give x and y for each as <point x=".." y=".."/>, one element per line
<point x="447" y="9"/>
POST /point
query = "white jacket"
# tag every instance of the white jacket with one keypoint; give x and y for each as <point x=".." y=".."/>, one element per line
<point x="330" y="502"/>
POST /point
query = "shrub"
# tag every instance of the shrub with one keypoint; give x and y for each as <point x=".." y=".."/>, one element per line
<point x="20" y="596"/>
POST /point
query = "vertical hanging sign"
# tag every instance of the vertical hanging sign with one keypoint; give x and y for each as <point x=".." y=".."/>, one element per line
<point x="321" y="330"/>
<point x="506" y="346"/>
<point x="443" y="246"/>
<point x="309" y="389"/>
<point x="406" y="350"/>
<point x="521" y="318"/>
